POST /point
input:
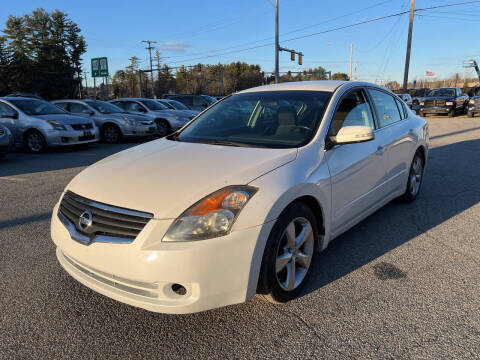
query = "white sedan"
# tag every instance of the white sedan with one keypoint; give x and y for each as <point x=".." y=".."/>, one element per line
<point x="240" y="200"/>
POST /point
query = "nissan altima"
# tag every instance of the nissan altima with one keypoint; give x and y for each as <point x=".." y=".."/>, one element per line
<point x="240" y="200"/>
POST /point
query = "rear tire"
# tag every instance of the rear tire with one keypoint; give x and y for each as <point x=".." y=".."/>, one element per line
<point x="415" y="178"/>
<point x="289" y="253"/>
<point x="421" y="113"/>
<point x="35" y="142"/>
<point x="111" y="134"/>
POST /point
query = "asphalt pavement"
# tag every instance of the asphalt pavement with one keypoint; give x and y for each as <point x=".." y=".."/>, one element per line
<point x="403" y="284"/>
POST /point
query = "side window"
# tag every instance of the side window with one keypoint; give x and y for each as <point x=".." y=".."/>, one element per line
<point x="5" y="109"/>
<point x="199" y="101"/>
<point x="401" y="108"/>
<point x="77" y="108"/>
<point x="386" y="107"/>
<point x="133" y="106"/>
<point x="186" y="100"/>
<point x="353" y="110"/>
<point x="62" y="105"/>
<point x="120" y="104"/>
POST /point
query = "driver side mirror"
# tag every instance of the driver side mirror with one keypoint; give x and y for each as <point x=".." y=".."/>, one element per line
<point x="354" y="134"/>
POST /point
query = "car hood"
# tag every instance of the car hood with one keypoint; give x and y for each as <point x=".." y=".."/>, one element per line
<point x="65" y="118"/>
<point x="165" y="177"/>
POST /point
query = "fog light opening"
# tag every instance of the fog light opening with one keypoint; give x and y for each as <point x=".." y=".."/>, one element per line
<point x="179" y="289"/>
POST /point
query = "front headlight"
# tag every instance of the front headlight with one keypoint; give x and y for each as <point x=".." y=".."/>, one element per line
<point x="449" y="103"/>
<point x="471" y="101"/>
<point x="57" y="125"/>
<point x="422" y="103"/>
<point x="212" y="216"/>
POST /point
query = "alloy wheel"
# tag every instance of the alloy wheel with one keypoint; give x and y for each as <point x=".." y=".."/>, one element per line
<point x="416" y="174"/>
<point x="294" y="254"/>
<point x="111" y="134"/>
<point x="162" y="128"/>
<point x="35" y="142"/>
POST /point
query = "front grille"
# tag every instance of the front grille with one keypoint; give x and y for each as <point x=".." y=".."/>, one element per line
<point x="82" y="126"/>
<point x="434" y="102"/>
<point x="107" y="221"/>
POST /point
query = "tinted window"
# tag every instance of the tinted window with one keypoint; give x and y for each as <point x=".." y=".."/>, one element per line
<point x="62" y="105"/>
<point x="401" y="108"/>
<point x="386" y="107"/>
<point x="133" y="106"/>
<point x="187" y="100"/>
<point x="178" y="105"/>
<point x="153" y="105"/>
<point x="442" y="92"/>
<point x="5" y="109"/>
<point x="36" y="107"/>
<point x="104" y="107"/>
<point x="353" y="110"/>
<point x="275" y="119"/>
<point x="77" y="108"/>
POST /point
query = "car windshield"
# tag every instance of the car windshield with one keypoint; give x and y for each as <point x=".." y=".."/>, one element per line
<point x="178" y="105"/>
<point x="153" y="105"/>
<point x="167" y="104"/>
<point x="210" y="99"/>
<point x="442" y="92"/>
<point x="272" y="119"/>
<point x="104" y="107"/>
<point x="36" y="107"/>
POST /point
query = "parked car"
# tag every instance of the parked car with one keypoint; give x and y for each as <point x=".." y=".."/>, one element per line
<point x="114" y="123"/>
<point x="221" y="212"/>
<point x="6" y="141"/>
<point x="474" y="103"/>
<point x="194" y="102"/>
<point x="407" y="99"/>
<point x="446" y="100"/>
<point x="167" y="120"/>
<point x="177" y="105"/>
<point x="37" y="124"/>
<point x="418" y="95"/>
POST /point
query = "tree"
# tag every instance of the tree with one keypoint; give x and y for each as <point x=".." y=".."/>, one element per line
<point x="44" y="53"/>
<point x="392" y="85"/>
<point x="339" y="76"/>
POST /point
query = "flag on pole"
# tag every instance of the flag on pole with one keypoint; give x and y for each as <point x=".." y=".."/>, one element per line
<point x="429" y="73"/>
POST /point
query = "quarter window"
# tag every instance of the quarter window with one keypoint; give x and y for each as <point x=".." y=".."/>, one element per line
<point x="353" y="110"/>
<point x="386" y="108"/>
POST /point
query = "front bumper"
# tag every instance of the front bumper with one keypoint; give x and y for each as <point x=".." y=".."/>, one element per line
<point x="140" y="130"/>
<point x="436" y="109"/>
<point x="71" y="137"/>
<point x="473" y="108"/>
<point x="215" y="272"/>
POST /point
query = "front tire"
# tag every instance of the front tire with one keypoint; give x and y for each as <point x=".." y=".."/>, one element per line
<point x="470" y="114"/>
<point x="163" y="128"/>
<point x="35" y="142"/>
<point x="289" y="253"/>
<point x="451" y="113"/>
<point x="415" y="178"/>
<point x="111" y="134"/>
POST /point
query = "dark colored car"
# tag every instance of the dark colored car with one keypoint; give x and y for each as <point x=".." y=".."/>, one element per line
<point x="448" y="100"/>
<point x="194" y="102"/>
<point x="474" y="103"/>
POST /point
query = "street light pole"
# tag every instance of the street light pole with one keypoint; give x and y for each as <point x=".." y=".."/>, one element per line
<point x="409" y="45"/>
<point x="277" y="45"/>
<point x="149" y="48"/>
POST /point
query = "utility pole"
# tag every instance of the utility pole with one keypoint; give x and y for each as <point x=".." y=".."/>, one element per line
<point x="86" y="84"/>
<point x="277" y="45"/>
<point x="409" y="44"/>
<point x="221" y="80"/>
<point x="140" y="81"/>
<point x="351" y="61"/>
<point x="149" y="48"/>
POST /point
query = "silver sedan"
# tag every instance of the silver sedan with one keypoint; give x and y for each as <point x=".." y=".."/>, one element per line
<point x="114" y="123"/>
<point x="37" y="124"/>
<point x="6" y="141"/>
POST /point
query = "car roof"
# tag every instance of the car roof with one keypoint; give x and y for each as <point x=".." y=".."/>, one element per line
<point x="316" y="85"/>
<point x="8" y="98"/>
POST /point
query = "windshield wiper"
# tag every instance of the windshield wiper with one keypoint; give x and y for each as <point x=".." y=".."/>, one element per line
<point x="228" y="143"/>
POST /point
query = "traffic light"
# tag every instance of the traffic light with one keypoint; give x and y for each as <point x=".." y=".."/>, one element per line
<point x="292" y="55"/>
<point x="299" y="59"/>
<point x="304" y="73"/>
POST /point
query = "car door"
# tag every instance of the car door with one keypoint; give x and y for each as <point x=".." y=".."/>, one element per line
<point x="357" y="170"/>
<point x="8" y="118"/>
<point x="397" y="134"/>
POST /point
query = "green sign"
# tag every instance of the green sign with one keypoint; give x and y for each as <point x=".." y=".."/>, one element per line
<point x="99" y="67"/>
